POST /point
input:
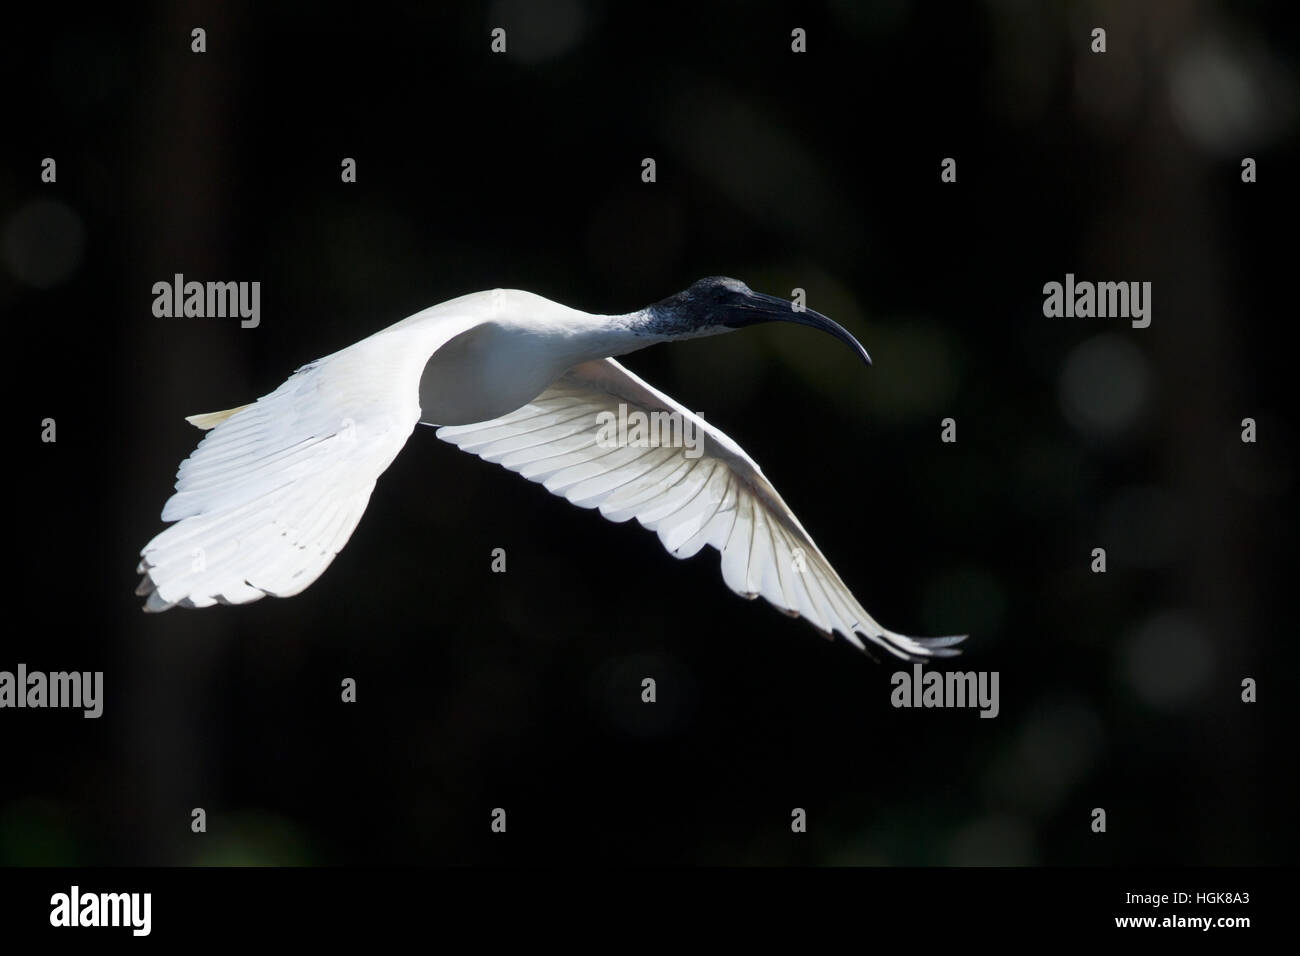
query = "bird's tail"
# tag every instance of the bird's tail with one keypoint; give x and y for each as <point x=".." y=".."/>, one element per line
<point x="212" y="419"/>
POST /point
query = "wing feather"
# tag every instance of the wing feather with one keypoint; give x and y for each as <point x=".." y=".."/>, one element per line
<point x="275" y="489"/>
<point x="720" y="498"/>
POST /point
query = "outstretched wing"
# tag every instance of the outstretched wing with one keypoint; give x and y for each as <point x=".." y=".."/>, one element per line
<point x="276" y="488"/>
<point x="718" y="497"/>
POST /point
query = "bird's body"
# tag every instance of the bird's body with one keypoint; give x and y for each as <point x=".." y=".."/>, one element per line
<point x="488" y="360"/>
<point x="276" y="488"/>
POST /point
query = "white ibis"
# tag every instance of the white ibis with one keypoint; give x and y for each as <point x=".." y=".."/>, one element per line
<point x="275" y="489"/>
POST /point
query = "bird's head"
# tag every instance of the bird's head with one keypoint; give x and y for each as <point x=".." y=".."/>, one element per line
<point x="718" y="304"/>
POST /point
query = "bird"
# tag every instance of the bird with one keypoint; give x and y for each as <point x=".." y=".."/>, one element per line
<point x="275" y="488"/>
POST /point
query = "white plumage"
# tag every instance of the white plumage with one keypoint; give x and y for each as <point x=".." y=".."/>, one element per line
<point x="276" y="488"/>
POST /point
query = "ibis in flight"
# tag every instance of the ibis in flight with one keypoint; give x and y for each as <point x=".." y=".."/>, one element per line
<point x="275" y="489"/>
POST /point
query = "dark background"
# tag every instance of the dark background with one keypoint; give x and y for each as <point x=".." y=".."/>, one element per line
<point x="820" y="170"/>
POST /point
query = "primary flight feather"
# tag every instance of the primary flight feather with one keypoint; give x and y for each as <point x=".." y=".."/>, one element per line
<point x="276" y="488"/>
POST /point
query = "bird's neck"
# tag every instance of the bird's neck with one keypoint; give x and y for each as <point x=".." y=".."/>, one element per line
<point x="611" y="335"/>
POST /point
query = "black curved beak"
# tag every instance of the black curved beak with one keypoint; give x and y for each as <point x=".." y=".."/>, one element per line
<point x="757" y="307"/>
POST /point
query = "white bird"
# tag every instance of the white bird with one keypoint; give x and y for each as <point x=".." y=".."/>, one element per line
<point x="275" y="489"/>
